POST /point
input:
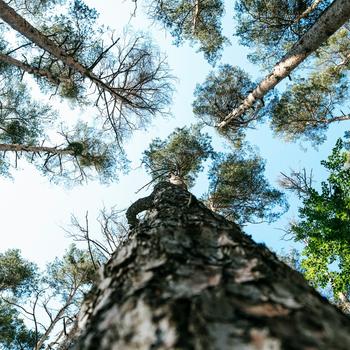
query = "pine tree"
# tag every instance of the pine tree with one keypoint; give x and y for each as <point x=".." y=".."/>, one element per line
<point x="48" y="300"/>
<point x="198" y="21"/>
<point x="129" y="79"/>
<point x="311" y="103"/>
<point x="237" y="186"/>
<point x="239" y="190"/>
<point x="187" y="278"/>
<point x="68" y="57"/>
<point x="329" y="21"/>
<point x="270" y="28"/>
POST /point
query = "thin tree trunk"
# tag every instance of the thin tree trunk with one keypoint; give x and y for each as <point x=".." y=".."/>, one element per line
<point x="188" y="279"/>
<point x="39" y="345"/>
<point x="195" y="15"/>
<point x="18" y="23"/>
<point x="34" y="149"/>
<point x="29" y="69"/>
<point x="329" y="22"/>
<point x="344" y="302"/>
<point x="308" y="10"/>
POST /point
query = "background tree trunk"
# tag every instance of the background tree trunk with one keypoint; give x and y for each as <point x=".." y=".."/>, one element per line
<point x="186" y="278"/>
<point x="327" y="24"/>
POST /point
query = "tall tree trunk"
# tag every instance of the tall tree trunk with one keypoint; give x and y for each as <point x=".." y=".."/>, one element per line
<point x="188" y="279"/>
<point x="30" y="69"/>
<point x="328" y="23"/>
<point x="14" y="147"/>
<point x="195" y="16"/>
<point x="18" y="23"/>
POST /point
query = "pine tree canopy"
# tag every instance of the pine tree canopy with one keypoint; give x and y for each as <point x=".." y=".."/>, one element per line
<point x="240" y="191"/>
<point x="59" y="44"/>
<point x="197" y="21"/>
<point x="271" y="27"/>
<point x="315" y="33"/>
<point x="238" y="188"/>
<point x="310" y="104"/>
<point x="223" y="90"/>
<point x="182" y="155"/>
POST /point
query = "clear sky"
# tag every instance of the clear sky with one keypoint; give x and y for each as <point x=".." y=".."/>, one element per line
<point x="33" y="210"/>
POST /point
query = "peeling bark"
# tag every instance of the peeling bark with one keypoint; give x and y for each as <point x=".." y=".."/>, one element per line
<point x="328" y="23"/>
<point x="186" y="278"/>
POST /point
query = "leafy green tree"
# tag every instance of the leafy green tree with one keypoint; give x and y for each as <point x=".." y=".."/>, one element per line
<point x="324" y="224"/>
<point x="239" y="190"/>
<point x="198" y="21"/>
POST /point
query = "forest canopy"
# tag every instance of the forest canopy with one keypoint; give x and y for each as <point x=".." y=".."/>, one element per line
<point x="205" y="128"/>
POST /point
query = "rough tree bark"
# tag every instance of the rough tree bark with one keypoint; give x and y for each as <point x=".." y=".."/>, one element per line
<point x="327" y="24"/>
<point x="188" y="279"/>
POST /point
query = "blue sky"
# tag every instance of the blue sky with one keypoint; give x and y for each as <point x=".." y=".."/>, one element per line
<point x="34" y="209"/>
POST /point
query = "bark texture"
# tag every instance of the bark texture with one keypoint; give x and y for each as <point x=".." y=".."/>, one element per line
<point x="337" y="14"/>
<point x="188" y="279"/>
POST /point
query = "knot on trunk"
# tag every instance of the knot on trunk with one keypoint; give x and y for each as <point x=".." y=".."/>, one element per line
<point x="165" y="194"/>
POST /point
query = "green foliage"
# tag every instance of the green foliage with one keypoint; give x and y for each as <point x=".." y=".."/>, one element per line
<point x="93" y="149"/>
<point x="223" y="91"/>
<point x="271" y="27"/>
<point x="15" y="272"/>
<point x="25" y="122"/>
<point x="197" y="21"/>
<point x="239" y="190"/>
<point x="22" y="120"/>
<point x="325" y="225"/>
<point x="126" y="79"/>
<point x="14" y="334"/>
<point x="309" y="105"/>
<point x="28" y="293"/>
<point x="182" y="154"/>
<point x="74" y="270"/>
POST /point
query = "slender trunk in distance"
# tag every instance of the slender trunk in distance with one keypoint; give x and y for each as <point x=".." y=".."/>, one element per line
<point x="328" y="23"/>
<point x="22" y="26"/>
<point x="14" y="147"/>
